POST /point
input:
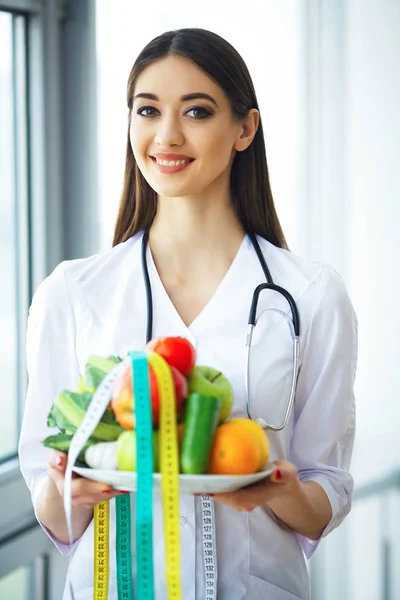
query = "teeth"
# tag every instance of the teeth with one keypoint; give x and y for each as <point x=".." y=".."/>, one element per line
<point x="171" y="163"/>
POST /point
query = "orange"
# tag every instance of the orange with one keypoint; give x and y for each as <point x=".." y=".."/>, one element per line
<point x="235" y="451"/>
<point x="259" y="433"/>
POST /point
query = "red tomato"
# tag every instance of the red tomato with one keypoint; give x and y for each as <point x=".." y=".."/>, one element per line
<point x="177" y="351"/>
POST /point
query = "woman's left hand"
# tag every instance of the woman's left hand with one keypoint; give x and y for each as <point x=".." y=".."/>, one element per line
<point x="283" y="481"/>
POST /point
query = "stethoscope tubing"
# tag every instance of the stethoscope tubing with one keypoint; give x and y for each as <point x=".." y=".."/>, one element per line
<point x="147" y="286"/>
<point x="294" y="324"/>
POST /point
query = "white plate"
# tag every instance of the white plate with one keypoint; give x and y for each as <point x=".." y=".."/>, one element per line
<point x="188" y="484"/>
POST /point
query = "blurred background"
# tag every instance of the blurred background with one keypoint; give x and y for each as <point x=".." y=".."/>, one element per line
<point x="327" y="77"/>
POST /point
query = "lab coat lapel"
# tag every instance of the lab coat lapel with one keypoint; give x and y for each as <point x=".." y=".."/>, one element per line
<point x="167" y="320"/>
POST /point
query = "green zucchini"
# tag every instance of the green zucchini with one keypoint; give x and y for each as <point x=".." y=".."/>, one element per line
<point x="201" y="420"/>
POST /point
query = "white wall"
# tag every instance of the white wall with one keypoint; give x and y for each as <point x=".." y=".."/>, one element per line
<point x="269" y="37"/>
<point x="373" y="40"/>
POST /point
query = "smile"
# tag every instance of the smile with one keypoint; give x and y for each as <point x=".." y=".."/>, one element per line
<point x="171" y="166"/>
<point x="171" y="163"/>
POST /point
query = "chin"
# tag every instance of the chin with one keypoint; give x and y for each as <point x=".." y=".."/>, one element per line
<point x="177" y="186"/>
<point x="176" y="191"/>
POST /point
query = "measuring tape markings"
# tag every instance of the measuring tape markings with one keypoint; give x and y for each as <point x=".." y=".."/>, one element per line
<point x="123" y="548"/>
<point x="144" y="468"/>
<point x="169" y="468"/>
<point x="101" y="562"/>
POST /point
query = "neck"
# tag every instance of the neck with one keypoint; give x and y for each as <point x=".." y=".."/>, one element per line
<point x="186" y="233"/>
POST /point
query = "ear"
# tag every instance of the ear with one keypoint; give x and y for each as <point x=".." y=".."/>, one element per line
<point x="248" y="130"/>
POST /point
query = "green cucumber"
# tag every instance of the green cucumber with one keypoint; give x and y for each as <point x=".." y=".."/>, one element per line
<point x="201" y="420"/>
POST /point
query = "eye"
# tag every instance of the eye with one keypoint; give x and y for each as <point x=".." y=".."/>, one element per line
<point x="201" y="113"/>
<point x="146" y="108"/>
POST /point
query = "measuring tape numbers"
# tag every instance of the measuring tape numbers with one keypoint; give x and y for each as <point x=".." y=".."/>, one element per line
<point x="169" y="468"/>
<point x="209" y="548"/>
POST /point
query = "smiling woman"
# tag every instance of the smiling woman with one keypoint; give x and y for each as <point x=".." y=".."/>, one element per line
<point x="173" y="72"/>
<point x="211" y="227"/>
<point x="206" y="134"/>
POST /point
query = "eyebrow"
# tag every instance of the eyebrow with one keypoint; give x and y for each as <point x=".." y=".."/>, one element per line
<point x="186" y="98"/>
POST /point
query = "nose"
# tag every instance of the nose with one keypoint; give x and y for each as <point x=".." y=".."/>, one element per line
<point x="169" y="132"/>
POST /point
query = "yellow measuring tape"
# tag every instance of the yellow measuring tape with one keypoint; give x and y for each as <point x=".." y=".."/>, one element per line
<point x="169" y="468"/>
<point x="102" y="553"/>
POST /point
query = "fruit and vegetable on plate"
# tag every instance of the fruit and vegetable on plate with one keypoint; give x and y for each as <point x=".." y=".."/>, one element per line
<point x="208" y="441"/>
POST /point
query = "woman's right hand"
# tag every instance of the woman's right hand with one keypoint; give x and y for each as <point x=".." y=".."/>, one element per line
<point x="84" y="492"/>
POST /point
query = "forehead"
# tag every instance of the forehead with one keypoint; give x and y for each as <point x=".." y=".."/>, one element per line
<point x="175" y="76"/>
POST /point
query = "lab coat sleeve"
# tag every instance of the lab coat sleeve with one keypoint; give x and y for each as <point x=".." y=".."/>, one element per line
<point x="323" y="435"/>
<point x="52" y="366"/>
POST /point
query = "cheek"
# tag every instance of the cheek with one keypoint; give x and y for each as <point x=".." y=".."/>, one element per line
<point x="216" y="148"/>
<point x="138" y="143"/>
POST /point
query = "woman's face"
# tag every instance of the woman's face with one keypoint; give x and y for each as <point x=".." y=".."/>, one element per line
<point x="171" y="122"/>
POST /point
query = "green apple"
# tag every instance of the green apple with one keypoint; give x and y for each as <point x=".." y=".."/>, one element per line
<point x="126" y="451"/>
<point x="208" y="381"/>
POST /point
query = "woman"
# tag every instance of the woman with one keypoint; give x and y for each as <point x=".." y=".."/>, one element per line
<point x="196" y="177"/>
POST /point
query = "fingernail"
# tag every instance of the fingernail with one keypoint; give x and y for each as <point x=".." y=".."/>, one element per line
<point x="60" y="461"/>
<point x="279" y="474"/>
<point x="106" y="491"/>
<point x="124" y="491"/>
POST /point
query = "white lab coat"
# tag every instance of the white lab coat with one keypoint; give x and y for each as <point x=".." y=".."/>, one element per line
<point x="96" y="305"/>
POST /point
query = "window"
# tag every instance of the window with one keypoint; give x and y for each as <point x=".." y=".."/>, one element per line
<point x="13" y="225"/>
<point x="16" y="584"/>
<point x="38" y="41"/>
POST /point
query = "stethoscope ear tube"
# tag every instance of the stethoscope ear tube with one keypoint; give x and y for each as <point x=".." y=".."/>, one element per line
<point x="147" y="286"/>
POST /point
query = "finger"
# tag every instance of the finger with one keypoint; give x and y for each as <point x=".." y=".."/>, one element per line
<point x="225" y="499"/>
<point x="58" y="460"/>
<point x="284" y="473"/>
<point x="92" y="500"/>
<point x="56" y="472"/>
<point x="83" y="491"/>
<point x="232" y="499"/>
<point x="93" y="492"/>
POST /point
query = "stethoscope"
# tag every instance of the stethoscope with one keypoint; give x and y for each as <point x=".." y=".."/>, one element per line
<point x="293" y="322"/>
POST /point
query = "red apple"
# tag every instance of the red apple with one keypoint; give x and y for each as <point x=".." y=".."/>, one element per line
<point x="122" y="400"/>
<point x="177" y="351"/>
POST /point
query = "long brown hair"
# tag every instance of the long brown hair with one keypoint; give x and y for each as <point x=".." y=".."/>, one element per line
<point x="250" y="187"/>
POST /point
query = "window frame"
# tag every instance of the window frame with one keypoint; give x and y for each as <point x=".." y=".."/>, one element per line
<point x="61" y="68"/>
<point x="15" y="503"/>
